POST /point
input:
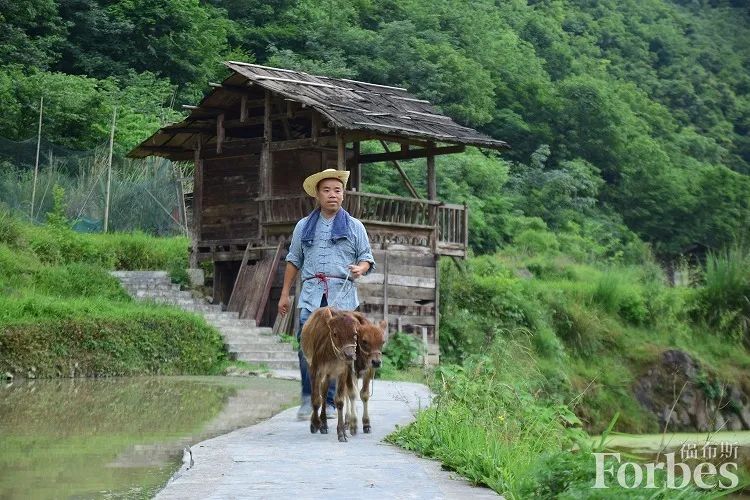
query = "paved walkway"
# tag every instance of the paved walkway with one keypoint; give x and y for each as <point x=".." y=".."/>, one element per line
<point x="280" y="458"/>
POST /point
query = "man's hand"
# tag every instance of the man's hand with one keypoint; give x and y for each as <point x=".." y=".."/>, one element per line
<point x="283" y="304"/>
<point x="358" y="270"/>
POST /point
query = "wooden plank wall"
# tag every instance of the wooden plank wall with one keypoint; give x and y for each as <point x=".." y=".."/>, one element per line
<point x="230" y="186"/>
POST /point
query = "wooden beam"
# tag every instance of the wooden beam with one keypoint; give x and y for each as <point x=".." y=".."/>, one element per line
<point x="361" y="135"/>
<point x="241" y="91"/>
<point x="404" y="177"/>
<point x="259" y="120"/>
<point x="291" y="144"/>
<point x="164" y="149"/>
<point x="186" y="130"/>
<point x="204" y="109"/>
<point x="411" y="154"/>
<point x="431" y="177"/>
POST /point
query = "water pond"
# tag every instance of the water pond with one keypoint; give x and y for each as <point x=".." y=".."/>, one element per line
<point x="119" y="437"/>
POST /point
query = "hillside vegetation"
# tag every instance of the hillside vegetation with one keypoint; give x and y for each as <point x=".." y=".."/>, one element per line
<point x="641" y="108"/>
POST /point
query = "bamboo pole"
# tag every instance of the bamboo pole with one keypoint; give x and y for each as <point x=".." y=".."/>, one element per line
<point x="36" y="163"/>
<point x="109" y="170"/>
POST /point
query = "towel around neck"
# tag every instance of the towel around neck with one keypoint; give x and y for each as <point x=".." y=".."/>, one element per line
<point x="339" y="230"/>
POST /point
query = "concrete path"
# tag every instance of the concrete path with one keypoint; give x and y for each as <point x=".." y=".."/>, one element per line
<point x="280" y="459"/>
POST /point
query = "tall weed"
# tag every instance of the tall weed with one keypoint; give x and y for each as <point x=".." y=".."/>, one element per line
<point x="724" y="300"/>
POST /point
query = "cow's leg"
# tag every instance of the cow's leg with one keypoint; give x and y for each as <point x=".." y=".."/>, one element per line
<point x="364" y="395"/>
<point x="339" y="400"/>
<point x="322" y="390"/>
<point x="351" y="396"/>
<point x="315" y="399"/>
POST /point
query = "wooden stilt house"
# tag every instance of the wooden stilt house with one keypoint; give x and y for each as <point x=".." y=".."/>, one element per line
<point x="257" y="135"/>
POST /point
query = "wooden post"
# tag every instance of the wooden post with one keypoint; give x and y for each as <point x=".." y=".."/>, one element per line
<point x="425" y="346"/>
<point x="341" y="157"/>
<point x="265" y="157"/>
<point x="180" y="197"/>
<point x="197" y="201"/>
<point x="356" y="168"/>
<point x="466" y="227"/>
<point x="385" y="290"/>
<point x="243" y="108"/>
<point x="36" y="163"/>
<point x="431" y="177"/>
<point x="437" y="303"/>
<point x="109" y="170"/>
<point x="315" y="127"/>
<point x="220" y="133"/>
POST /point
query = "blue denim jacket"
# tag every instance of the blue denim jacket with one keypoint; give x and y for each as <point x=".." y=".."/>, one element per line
<point x="332" y="259"/>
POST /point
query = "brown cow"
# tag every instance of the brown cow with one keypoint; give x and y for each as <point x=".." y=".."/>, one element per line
<point x="329" y="343"/>
<point x="370" y="341"/>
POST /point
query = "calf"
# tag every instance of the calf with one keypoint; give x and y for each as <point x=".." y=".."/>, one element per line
<point x="370" y="341"/>
<point x="329" y="343"/>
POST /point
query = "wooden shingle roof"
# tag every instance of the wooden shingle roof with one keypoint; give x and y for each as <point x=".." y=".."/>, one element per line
<point x="349" y="105"/>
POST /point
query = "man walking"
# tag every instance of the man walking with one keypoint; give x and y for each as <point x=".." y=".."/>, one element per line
<point x="331" y="249"/>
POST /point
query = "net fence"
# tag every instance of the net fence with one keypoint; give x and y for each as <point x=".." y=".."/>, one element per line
<point x="145" y="195"/>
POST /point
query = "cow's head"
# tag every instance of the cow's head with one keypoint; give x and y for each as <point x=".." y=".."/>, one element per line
<point x="343" y="327"/>
<point x="371" y="339"/>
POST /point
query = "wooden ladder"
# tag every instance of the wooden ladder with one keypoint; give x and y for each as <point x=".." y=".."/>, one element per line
<point x="253" y="284"/>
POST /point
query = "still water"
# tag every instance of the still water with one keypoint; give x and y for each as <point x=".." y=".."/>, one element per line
<point x="119" y="437"/>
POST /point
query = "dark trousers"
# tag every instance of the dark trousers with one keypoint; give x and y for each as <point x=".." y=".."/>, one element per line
<point x="303" y="368"/>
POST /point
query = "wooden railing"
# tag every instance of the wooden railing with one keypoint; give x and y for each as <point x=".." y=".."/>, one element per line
<point x="452" y="229"/>
<point x="445" y="224"/>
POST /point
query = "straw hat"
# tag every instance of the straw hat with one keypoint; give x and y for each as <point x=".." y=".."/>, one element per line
<point x="311" y="183"/>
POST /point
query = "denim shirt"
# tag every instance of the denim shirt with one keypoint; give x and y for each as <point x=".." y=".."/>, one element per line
<point x="332" y="259"/>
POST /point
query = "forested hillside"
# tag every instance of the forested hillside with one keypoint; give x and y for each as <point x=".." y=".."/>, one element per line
<point x="632" y="111"/>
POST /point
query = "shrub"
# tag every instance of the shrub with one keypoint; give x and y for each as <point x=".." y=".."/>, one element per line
<point x="78" y="281"/>
<point x="534" y="241"/>
<point x="724" y="300"/>
<point x="578" y="326"/>
<point x="402" y="350"/>
<point x="52" y="337"/>
<point x="10" y="230"/>
<point x="618" y="292"/>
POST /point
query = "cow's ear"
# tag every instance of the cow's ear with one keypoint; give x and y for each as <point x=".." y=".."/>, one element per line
<point x="383" y="325"/>
<point x="327" y="315"/>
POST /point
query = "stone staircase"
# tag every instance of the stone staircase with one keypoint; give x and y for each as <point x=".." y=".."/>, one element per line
<point x="244" y="340"/>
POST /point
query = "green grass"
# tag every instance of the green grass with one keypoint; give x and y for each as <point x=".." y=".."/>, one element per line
<point x="541" y="361"/>
<point x="63" y="314"/>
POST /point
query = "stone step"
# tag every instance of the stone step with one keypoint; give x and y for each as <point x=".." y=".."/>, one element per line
<point x="266" y="355"/>
<point x="237" y="327"/>
<point x="140" y="274"/>
<point x="272" y="364"/>
<point x="220" y="316"/>
<point x="245" y="330"/>
<point x="151" y="285"/>
<point x="258" y="346"/>
<point x="244" y="339"/>
<point x="167" y="294"/>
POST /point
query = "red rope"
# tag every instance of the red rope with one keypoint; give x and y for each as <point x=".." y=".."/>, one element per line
<point x="322" y="278"/>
